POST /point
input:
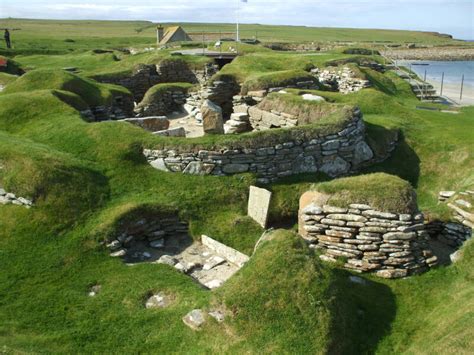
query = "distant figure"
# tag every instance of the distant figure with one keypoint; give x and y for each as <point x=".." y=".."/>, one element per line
<point x="7" y="38"/>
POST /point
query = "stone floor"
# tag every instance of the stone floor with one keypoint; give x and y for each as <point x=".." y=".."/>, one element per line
<point x="192" y="258"/>
<point x="192" y="127"/>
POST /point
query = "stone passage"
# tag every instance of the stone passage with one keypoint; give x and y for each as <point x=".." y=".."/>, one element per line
<point x="166" y="240"/>
<point x="391" y="245"/>
<point x="334" y="154"/>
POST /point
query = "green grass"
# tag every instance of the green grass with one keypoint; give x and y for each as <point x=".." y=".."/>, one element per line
<point x="85" y="178"/>
<point x="276" y="79"/>
<point x="6" y="78"/>
<point x="93" y="93"/>
<point x="381" y="191"/>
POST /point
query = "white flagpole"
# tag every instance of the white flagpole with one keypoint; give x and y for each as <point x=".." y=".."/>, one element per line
<point x="237" y="15"/>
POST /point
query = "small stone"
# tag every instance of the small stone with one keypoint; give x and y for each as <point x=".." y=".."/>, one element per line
<point x="118" y="254"/>
<point x="167" y="260"/>
<point x="217" y="315"/>
<point x="157" y="301"/>
<point x="194" y="319"/>
<point x="446" y="194"/>
<point x="158" y="244"/>
<point x="94" y="290"/>
<point x="212" y="262"/>
<point x="392" y="273"/>
<point x="214" y="284"/>
<point x="114" y="245"/>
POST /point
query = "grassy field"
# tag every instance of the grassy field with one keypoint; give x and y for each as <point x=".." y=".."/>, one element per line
<point x="62" y="36"/>
<point x="84" y="177"/>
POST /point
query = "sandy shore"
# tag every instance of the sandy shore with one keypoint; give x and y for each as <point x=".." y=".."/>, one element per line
<point x="452" y="93"/>
<point x="434" y="53"/>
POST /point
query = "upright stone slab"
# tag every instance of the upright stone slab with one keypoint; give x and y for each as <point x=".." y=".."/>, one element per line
<point x="213" y="122"/>
<point x="259" y="205"/>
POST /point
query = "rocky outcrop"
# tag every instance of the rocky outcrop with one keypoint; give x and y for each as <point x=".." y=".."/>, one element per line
<point x="334" y="154"/>
<point x="391" y="245"/>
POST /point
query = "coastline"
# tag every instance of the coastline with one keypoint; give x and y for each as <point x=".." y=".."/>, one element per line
<point x="433" y="53"/>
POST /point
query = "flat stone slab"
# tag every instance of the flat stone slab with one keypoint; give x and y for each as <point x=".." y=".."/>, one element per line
<point x="259" y="205"/>
<point x="194" y="319"/>
<point x="157" y="301"/>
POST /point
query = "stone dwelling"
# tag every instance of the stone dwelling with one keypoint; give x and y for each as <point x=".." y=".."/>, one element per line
<point x="171" y="34"/>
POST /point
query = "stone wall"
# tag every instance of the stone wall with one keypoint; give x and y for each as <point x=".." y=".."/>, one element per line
<point x="334" y="154"/>
<point x="449" y="233"/>
<point x="151" y="231"/>
<point x="221" y="92"/>
<point x="164" y="103"/>
<point x="121" y="107"/>
<point x="144" y="76"/>
<point x="390" y="245"/>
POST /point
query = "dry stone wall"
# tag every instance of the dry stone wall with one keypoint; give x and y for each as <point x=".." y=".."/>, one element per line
<point x="389" y="244"/>
<point x="334" y="154"/>
<point x="144" y="76"/>
<point x="163" y="104"/>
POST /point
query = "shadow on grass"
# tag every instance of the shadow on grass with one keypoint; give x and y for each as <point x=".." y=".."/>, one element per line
<point x="362" y="313"/>
<point x="403" y="162"/>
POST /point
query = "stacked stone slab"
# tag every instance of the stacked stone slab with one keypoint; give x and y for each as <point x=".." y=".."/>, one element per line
<point x="167" y="102"/>
<point x="8" y="198"/>
<point x="261" y="120"/>
<point x="238" y="123"/>
<point x="389" y="244"/>
<point x="334" y="154"/>
<point x="449" y="233"/>
<point x="153" y="231"/>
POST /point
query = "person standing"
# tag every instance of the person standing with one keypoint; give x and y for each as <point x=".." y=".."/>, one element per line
<point x="7" y="38"/>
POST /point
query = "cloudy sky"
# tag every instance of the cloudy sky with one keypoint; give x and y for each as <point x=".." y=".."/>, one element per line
<point x="449" y="16"/>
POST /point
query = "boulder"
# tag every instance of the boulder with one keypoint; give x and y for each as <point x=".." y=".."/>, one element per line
<point x="213" y="122"/>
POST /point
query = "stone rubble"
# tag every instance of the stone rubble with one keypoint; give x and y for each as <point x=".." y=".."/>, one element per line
<point x="343" y="80"/>
<point x="195" y="319"/>
<point x="7" y="198"/>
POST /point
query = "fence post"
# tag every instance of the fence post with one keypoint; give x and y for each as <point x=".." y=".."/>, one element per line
<point x="462" y="86"/>
<point x="442" y="83"/>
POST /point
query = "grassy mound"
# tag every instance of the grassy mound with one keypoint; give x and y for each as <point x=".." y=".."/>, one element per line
<point x="50" y="178"/>
<point x="285" y="297"/>
<point x="381" y="191"/>
<point x="6" y="78"/>
<point x="307" y="111"/>
<point x="276" y="79"/>
<point x="93" y="93"/>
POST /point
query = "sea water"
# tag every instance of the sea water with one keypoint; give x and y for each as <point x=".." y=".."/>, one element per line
<point x="453" y="71"/>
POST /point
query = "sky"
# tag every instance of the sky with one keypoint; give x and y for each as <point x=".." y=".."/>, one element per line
<point x="455" y="17"/>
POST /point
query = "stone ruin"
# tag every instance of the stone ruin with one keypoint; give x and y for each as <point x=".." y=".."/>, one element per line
<point x="343" y="80"/>
<point x="166" y="240"/>
<point x="391" y="245"/>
